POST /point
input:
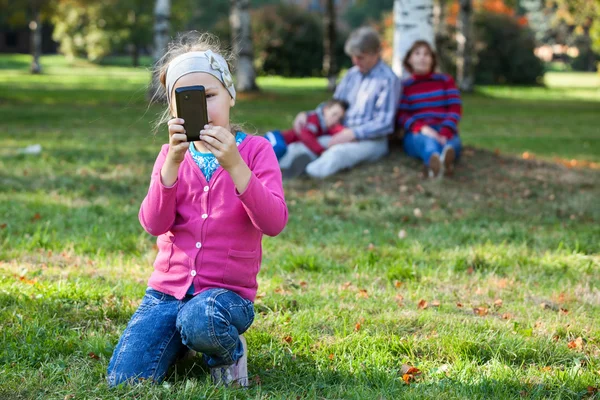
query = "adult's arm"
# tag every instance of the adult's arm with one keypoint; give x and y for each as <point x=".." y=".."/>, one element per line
<point x="449" y="126"/>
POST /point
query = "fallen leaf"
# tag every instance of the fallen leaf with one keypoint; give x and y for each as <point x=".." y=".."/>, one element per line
<point x="36" y="217"/>
<point x="470" y="270"/>
<point x="371" y="246"/>
<point x="397" y="283"/>
<point x="435" y="303"/>
<point x="346" y="285"/>
<point x="303" y="284"/>
<point x="288" y="339"/>
<point x="260" y="295"/>
<point x="357" y="327"/>
<point x="417" y="212"/>
<point x="576" y="344"/>
<point x="506" y="316"/>
<point x="401" y="234"/>
<point x="362" y="293"/>
<point x="422" y="304"/>
<point x="2" y="226"/>
<point x="331" y="356"/>
<point x="459" y="305"/>
<point x="547" y="369"/>
<point x="399" y="298"/>
<point x="69" y="397"/>
<point x="481" y="311"/>
<point x="93" y="355"/>
<point x="564" y="311"/>
<point x="498" y="303"/>
<point x="407" y="378"/>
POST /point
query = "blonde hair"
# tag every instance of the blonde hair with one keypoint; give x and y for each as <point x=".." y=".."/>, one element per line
<point x="184" y="43"/>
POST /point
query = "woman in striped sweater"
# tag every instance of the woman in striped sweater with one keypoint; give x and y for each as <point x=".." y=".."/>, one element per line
<point x="429" y="111"/>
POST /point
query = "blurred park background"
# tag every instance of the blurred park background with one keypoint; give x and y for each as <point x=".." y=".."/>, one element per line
<point x="487" y="283"/>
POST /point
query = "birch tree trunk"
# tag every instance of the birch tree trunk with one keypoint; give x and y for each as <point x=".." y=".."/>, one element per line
<point x="413" y="20"/>
<point x="329" y="38"/>
<point x="36" y="40"/>
<point x="464" y="59"/>
<point x="162" y="26"/>
<point x="239" y="19"/>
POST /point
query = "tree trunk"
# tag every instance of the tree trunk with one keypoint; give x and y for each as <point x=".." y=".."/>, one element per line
<point x="538" y="19"/>
<point x="36" y="41"/>
<point x="329" y="39"/>
<point x="464" y="59"/>
<point x="239" y="19"/>
<point x="162" y="25"/>
<point x="135" y="55"/>
<point x="413" y="20"/>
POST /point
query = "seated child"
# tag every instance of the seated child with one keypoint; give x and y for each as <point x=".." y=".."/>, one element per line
<point x="323" y="121"/>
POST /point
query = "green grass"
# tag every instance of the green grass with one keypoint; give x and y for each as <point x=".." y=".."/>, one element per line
<point x="338" y="312"/>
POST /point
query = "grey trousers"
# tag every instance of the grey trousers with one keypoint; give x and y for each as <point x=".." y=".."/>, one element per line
<point x="336" y="158"/>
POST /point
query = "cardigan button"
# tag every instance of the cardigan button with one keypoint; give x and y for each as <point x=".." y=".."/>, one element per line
<point x="204" y="216"/>
<point x="206" y="188"/>
<point x="193" y="273"/>
<point x="198" y="245"/>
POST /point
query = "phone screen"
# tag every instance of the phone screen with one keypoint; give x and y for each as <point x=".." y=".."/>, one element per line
<point x="191" y="106"/>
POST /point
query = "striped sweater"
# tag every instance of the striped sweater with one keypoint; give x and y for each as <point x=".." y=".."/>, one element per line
<point x="432" y="100"/>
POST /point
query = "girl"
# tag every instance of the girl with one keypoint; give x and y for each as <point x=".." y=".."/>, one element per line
<point x="209" y="203"/>
<point x="429" y="111"/>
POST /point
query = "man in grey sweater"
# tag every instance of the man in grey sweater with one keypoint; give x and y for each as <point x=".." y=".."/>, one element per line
<point x="372" y="90"/>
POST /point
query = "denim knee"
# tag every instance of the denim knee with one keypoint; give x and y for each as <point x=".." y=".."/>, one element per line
<point x="211" y="322"/>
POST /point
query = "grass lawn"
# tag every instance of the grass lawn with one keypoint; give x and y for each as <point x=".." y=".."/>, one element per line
<point x="488" y="282"/>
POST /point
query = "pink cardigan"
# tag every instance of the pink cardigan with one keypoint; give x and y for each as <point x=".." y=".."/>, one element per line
<point x="208" y="233"/>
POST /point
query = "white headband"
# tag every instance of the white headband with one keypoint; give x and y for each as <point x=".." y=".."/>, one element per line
<point x="199" y="61"/>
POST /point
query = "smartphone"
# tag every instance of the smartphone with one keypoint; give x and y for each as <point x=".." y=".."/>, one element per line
<point x="191" y="106"/>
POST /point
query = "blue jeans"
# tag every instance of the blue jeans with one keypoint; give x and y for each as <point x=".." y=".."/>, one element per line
<point x="162" y="327"/>
<point x="423" y="147"/>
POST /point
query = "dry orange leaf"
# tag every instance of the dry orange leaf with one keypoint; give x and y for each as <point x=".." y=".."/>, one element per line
<point x="576" y="344"/>
<point x="331" y="356"/>
<point x="422" y="304"/>
<point x="357" y="327"/>
<point x="498" y="303"/>
<point x="346" y="285"/>
<point x="363" y="294"/>
<point x="481" y="311"/>
<point x="399" y="297"/>
<point x="407" y="378"/>
<point x="547" y="369"/>
<point x="36" y="217"/>
<point x="459" y="305"/>
<point x="564" y="311"/>
<point x="397" y="283"/>
<point x="93" y="355"/>
<point x="288" y="339"/>
<point x="435" y="303"/>
<point x="506" y="316"/>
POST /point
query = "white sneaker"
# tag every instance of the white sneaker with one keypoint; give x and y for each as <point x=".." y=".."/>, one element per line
<point x="234" y="375"/>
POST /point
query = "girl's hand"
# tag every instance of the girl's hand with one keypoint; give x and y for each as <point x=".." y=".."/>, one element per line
<point x="429" y="131"/>
<point x="221" y="143"/>
<point x="178" y="143"/>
